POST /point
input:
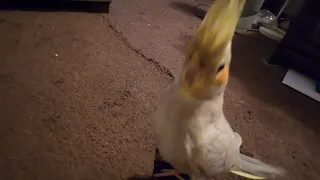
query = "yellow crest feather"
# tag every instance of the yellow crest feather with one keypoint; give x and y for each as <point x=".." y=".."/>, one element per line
<point x="218" y="27"/>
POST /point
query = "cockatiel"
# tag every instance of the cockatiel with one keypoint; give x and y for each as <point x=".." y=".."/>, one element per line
<point x="191" y="131"/>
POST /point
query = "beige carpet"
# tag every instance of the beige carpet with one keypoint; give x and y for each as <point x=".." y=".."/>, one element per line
<point x="77" y="91"/>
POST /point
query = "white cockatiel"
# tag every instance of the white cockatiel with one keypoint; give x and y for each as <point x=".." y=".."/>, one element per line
<point x="191" y="131"/>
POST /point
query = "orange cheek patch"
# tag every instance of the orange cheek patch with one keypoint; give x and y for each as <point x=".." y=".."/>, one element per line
<point x="223" y="76"/>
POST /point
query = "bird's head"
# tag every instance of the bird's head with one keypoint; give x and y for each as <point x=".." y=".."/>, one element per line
<point x="206" y="70"/>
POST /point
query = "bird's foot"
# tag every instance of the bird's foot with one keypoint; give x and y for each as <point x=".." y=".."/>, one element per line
<point x="169" y="172"/>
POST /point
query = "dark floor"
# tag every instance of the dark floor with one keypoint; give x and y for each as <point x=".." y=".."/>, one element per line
<point x="77" y="91"/>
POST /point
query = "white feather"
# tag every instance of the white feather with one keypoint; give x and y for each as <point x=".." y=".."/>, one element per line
<point x="195" y="137"/>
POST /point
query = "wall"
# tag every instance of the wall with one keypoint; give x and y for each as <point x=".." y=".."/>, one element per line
<point x="293" y="7"/>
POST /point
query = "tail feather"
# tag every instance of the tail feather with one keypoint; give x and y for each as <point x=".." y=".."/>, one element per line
<point x="258" y="169"/>
<point x="246" y="175"/>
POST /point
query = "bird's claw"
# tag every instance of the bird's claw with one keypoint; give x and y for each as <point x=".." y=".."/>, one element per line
<point x="169" y="172"/>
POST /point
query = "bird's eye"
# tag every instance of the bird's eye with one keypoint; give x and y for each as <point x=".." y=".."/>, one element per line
<point x="220" y="68"/>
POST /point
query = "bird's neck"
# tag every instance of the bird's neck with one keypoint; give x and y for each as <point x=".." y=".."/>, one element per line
<point x="196" y="115"/>
<point x="214" y="101"/>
